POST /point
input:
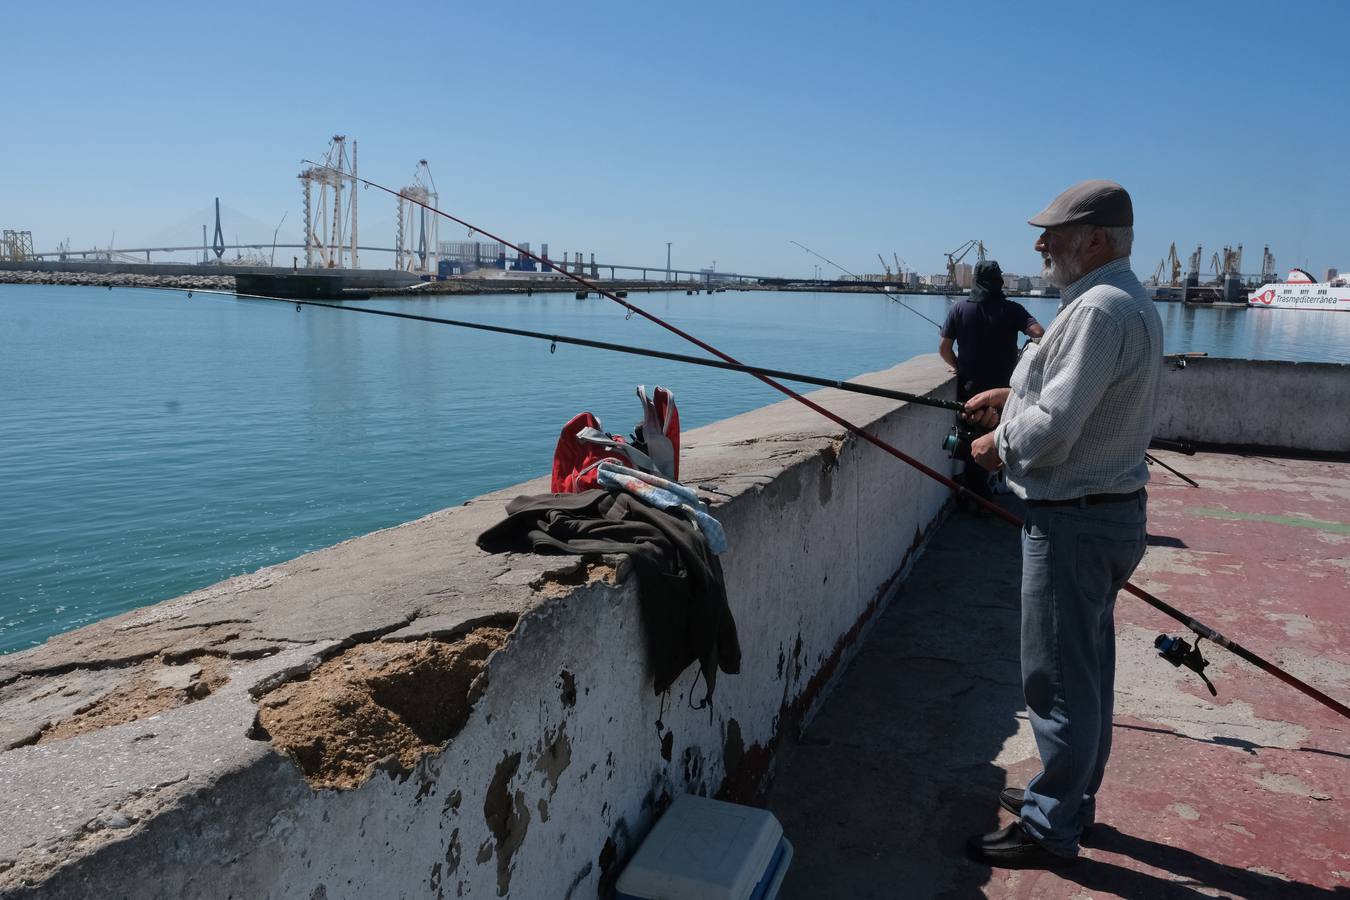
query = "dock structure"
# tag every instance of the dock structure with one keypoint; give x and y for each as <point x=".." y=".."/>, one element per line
<point x="405" y="715"/>
<point x="1243" y="795"/>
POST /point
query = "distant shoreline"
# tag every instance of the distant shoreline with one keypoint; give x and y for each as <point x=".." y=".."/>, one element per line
<point x="421" y="288"/>
<point x="451" y="286"/>
<point x="109" y="279"/>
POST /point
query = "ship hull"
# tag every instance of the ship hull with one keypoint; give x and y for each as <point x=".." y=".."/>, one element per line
<point x="297" y="286"/>
<point x="1301" y="296"/>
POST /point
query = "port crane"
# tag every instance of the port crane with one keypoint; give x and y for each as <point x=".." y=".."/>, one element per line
<point x="1267" y="265"/>
<point x="885" y="267"/>
<point x="1217" y="265"/>
<point x="17" y="246"/>
<point x="1229" y="262"/>
<point x="1195" y="260"/>
<point x="330" y="241"/>
<point x="959" y="253"/>
<point x="417" y="234"/>
<point x="1175" y="262"/>
<point x="1157" y="273"/>
<point x="899" y="266"/>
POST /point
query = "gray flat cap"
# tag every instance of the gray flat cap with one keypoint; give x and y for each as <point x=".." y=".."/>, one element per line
<point x="1095" y="202"/>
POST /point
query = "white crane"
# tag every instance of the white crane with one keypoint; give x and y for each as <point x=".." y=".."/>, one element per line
<point x="327" y="238"/>
<point x="417" y="224"/>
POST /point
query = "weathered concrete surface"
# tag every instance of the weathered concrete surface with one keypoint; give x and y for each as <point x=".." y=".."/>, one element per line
<point x="1260" y="404"/>
<point x="1241" y="796"/>
<point x="565" y="756"/>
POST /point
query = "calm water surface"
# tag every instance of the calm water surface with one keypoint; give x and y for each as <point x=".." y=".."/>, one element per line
<point x="155" y="444"/>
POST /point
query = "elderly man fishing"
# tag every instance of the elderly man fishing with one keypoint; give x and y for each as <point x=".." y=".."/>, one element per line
<point x="1071" y="435"/>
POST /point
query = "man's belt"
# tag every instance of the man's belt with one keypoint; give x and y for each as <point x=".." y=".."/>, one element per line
<point x="1090" y="499"/>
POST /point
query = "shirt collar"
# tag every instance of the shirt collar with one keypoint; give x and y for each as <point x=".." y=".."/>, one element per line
<point x="1099" y="275"/>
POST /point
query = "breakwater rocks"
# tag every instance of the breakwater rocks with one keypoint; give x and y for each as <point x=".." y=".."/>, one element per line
<point x="120" y="279"/>
<point x="370" y="283"/>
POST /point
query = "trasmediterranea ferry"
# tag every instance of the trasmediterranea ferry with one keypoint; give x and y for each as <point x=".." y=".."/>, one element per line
<point x="1301" y="291"/>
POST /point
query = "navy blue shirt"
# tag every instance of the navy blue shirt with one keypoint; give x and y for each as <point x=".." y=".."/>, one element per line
<point x="986" y="340"/>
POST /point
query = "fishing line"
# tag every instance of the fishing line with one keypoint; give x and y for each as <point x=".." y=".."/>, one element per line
<point x="657" y="320"/>
<point x="894" y="298"/>
<point x="1193" y="624"/>
<point x="555" y="339"/>
<point x="868" y="284"/>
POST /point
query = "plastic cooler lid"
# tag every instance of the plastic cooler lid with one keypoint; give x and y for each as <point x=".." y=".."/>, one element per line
<point x="702" y="849"/>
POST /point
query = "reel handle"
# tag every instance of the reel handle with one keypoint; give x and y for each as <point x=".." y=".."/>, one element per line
<point x="1179" y="653"/>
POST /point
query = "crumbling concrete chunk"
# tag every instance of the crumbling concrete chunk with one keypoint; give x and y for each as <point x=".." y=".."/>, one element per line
<point x="379" y="705"/>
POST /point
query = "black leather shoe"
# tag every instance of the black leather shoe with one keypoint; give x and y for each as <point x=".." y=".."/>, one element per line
<point x="1011" y="800"/>
<point x="1013" y="848"/>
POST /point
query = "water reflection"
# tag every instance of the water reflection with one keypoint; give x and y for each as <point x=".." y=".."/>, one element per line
<point x="275" y="431"/>
<point x="1303" y="335"/>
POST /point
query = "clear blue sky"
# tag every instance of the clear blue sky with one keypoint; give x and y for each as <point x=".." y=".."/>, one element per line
<point x="726" y="128"/>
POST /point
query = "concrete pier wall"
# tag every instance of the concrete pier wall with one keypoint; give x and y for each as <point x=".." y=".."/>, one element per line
<point x="1256" y="404"/>
<point x="142" y="755"/>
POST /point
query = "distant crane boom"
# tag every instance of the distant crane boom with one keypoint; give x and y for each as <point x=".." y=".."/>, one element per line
<point x="959" y="254"/>
<point x="1267" y="264"/>
<point x="1195" y="259"/>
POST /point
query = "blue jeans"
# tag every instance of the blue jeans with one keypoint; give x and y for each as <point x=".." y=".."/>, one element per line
<point x="1074" y="560"/>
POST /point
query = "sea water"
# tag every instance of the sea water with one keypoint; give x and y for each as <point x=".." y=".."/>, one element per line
<point x="154" y="443"/>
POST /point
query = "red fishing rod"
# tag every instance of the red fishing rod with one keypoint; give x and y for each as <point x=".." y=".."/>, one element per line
<point x="1183" y="655"/>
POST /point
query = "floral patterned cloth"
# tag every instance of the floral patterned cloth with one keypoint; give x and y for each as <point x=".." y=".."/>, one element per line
<point x="665" y="494"/>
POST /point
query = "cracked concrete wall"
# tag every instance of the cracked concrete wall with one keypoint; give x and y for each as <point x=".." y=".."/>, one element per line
<point x="563" y="755"/>
<point x="1257" y="404"/>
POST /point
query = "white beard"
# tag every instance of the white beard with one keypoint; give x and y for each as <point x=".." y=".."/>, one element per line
<point x="1059" y="273"/>
<point x="1063" y="269"/>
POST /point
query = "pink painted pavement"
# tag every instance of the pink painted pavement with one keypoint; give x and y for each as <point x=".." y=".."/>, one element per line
<point x="1246" y="794"/>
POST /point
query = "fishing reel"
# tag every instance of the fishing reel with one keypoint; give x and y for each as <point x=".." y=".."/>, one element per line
<point x="957" y="442"/>
<point x="1179" y="653"/>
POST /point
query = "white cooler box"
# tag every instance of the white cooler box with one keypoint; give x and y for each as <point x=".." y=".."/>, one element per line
<point x="705" y="849"/>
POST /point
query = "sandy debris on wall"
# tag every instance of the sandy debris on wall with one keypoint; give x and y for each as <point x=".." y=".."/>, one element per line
<point x="155" y="688"/>
<point x="586" y="570"/>
<point x="381" y="702"/>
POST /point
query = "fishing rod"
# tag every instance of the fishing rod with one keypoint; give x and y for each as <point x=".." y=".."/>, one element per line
<point x="1153" y="459"/>
<point x="657" y="320"/>
<point x="952" y="441"/>
<point x="868" y="284"/>
<point x="555" y="339"/>
<point x="1191" y="659"/>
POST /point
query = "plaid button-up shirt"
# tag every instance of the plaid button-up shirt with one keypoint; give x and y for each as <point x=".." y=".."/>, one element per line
<point x="1080" y="414"/>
